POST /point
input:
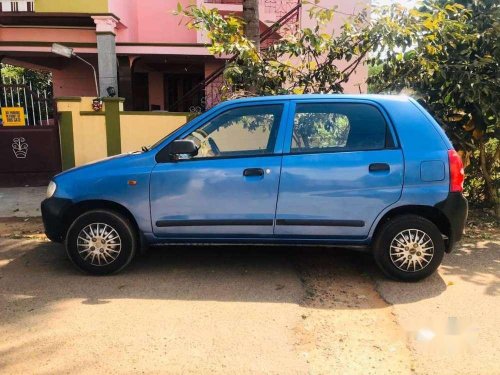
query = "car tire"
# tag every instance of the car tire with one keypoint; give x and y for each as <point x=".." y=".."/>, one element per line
<point x="101" y="242"/>
<point x="408" y="248"/>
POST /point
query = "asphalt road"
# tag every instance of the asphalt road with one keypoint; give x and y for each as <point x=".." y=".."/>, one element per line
<point x="246" y="310"/>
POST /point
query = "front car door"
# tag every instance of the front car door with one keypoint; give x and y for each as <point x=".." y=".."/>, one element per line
<point x="230" y="188"/>
<point x="341" y="167"/>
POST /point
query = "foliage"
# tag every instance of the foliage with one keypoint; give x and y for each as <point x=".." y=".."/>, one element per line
<point x="39" y="80"/>
<point x="475" y="187"/>
<point x="305" y="61"/>
<point x="373" y="70"/>
<point x="450" y="59"/>
<point x="225" y="31"/>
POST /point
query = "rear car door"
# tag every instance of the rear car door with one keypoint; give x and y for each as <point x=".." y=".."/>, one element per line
<point x="230" y="188"/>
<point x="341" y="167"/>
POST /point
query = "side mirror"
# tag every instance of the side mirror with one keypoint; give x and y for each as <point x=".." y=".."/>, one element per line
<point x="183" y="146"/>
<point x="176" y="148"/>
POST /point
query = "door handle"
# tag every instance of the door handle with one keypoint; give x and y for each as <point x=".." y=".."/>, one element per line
<point x="253" y="172"/>
<point x="379" y="167"/>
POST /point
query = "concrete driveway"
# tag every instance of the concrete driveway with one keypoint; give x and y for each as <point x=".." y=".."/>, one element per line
<point x="246" y="310"/>
<point x="452" y="319"/>
<point x="21" y="201"/>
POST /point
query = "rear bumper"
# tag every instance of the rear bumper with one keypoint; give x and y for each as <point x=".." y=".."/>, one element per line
<point x="455" y="208"/>
<point x="53" y="211"/>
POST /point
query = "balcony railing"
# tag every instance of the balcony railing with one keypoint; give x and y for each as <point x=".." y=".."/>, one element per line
<point x="17" y="6"/>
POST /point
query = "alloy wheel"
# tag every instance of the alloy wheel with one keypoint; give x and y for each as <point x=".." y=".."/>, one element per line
<point x="411" y="250"/>
<point x="99" y="244"/>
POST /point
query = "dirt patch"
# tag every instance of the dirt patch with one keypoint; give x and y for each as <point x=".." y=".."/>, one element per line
<point x="346" y="327"/>
<point x="18" y="227"/>
<point x="482" y="224"/>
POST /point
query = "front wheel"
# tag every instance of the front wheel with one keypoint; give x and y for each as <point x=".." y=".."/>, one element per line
<point x="409" y="248"/>
<point x="101" y="242"/>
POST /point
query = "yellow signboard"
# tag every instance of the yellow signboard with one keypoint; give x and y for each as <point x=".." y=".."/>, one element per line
<point x="13" y="116"/>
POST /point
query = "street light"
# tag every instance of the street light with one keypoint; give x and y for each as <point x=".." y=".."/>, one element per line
<point x="64" y="51"/>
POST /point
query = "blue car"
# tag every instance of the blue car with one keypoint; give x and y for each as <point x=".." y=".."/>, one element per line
<point x="371" y="172"/>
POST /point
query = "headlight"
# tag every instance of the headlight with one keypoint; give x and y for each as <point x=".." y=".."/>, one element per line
<point x="51" y="189"/>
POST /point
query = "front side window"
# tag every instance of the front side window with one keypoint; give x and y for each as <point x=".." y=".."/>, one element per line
<point x="238" y="132"/>
<point x="338" y="127"/>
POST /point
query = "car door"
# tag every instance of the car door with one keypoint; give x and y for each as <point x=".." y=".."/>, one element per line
<point x="341" y="167"/>
<point x="230" y="187"/>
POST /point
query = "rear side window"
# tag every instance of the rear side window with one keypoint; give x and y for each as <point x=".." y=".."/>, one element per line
<point x="339" y="127"/>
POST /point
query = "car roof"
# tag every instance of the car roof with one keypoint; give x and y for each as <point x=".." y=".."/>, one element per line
<point x="371" y="97"/>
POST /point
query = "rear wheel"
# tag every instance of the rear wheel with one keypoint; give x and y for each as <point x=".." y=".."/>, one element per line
<point x="409" y="248"/>
<point x="101" y="242"/>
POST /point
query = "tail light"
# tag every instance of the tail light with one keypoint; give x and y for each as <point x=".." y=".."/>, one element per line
<point x="456" y="171"/>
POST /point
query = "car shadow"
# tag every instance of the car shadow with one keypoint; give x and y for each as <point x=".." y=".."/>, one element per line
<point x="476" y="262"/>
<point x="34" y="275"/>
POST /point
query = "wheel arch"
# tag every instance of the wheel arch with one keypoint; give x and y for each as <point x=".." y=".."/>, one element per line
<point x="433" y="214"/>
<point x="81" y="207"/>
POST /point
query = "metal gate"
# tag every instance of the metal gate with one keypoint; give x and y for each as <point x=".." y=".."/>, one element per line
<point x="29" y="153"/>
<point x="38" y="105"/>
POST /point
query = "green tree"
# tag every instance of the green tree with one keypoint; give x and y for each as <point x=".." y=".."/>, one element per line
<point x="450" y="60"/>
<point x="304" y="61"/>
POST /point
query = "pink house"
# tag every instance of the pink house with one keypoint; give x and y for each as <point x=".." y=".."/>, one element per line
<point x="139" y="47"/>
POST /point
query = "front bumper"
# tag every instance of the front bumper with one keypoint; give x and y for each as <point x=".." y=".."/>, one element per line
<point x="53" y="212"/>
<point x="455" y="208"/>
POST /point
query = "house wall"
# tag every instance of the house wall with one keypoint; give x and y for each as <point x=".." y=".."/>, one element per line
<point x="72" y="6"/>
<point x="144" y="129"/>
<point x="69" y="77"/>
<point x="151" y="21"/>
<point x="127" y="11"/>
<point x="87" y="135"/>
<point x="89" y="146"/>
<point x="49" y="35"/>
<point x="81" y="133"/>
<point x="156" y="92"/>
<point x="75" y="78"/>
